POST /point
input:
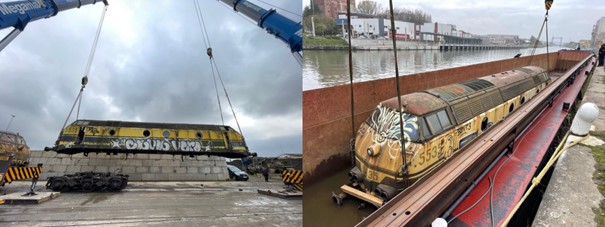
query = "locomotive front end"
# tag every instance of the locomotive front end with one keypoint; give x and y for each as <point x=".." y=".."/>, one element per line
<point x="382" y="168"/>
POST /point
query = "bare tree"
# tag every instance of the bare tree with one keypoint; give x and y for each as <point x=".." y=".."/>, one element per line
<point x="415" y="16"/>
<point x="369" y="7"/>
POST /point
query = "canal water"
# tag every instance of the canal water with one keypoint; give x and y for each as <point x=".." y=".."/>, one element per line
<point x="330" y="68"/>
<point x="319" y="210"/>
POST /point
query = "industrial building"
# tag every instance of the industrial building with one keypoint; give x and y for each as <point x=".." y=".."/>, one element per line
<point x="370" y="26"/>
<point x="380" y="27"/>
<point x="331" y="8"/>
<point x="433" y="32"/>
<point x="598" y="31"/>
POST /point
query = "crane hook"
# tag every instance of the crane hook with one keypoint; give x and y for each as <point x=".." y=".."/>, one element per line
<point x="84" y="81"/>
<point x="209" y="52"/>
<point x="548" y="4"/>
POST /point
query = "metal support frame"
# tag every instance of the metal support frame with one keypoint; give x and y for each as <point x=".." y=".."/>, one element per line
<point x="9" y="38"/>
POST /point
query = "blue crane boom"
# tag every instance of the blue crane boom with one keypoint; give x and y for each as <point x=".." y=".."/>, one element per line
<point x="18" y="14"/>
<point x="285" y="29"/>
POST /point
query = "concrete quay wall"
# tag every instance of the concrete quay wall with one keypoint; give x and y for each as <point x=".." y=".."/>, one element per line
<point x="327" y="111"/>
<point x="140" y="167"/>
<point x="375" y="44"/>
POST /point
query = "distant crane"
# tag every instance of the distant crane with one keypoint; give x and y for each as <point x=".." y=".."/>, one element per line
<point x="9" y="123"/>
<point x="560" y="39"/>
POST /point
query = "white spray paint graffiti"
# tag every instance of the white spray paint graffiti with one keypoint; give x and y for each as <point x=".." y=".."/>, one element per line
<point x="161" y="145"/>
<point x="385" y="122"/>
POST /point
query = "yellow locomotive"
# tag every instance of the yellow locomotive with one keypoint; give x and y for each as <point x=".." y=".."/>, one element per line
<point x="13" y="145"/>
<point x="85" y="136"/>
<point x="437" y="123"/>
<point x="14" y="155"/>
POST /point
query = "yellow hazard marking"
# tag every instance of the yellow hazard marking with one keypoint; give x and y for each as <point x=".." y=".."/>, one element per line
<point x="548" y="4"/>
<point x="298" y="186"/>
<point x="22" y="173"/>
<point x="293" y="177"/>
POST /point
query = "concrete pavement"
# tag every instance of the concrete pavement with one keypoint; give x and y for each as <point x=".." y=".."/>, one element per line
<point x="179" y="203"/>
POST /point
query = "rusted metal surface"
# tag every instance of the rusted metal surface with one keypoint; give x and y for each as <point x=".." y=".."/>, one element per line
<point x="417" y="103"/>
<point x="456" y="91"/>
<point x="327" y="117"/>
<point x="506" y="78"/>
<point x="429" y="197"/>
<point x="13" y="144"/>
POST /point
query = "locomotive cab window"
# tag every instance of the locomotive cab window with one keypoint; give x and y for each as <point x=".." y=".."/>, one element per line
<point x="81" y="123"/>
<point x="445" y="121"/>
<point x="425" y="130"/>
<point x="435" y="123"/>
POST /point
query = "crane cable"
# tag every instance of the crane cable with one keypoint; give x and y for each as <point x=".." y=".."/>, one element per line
<point x="200" y="20"/>
<point x="87" y="69"/>
<point x="404" y="167"/>
<point x="352" y="145"/>
<point x="548" y="4"/>
<point x="214" y="66"/>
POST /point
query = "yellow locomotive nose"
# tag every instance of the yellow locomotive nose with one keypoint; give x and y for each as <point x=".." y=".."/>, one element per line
<point x="374" y="149"/>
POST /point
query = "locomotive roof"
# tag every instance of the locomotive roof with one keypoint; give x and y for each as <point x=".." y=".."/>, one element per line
<point x="15" y="137"/>
<point x="417" y="103"/>
<point x="422" y="102"/>
<point x="508" y="77"/>
<point x="455" y="91"/>
<point x="10" y="133"/>
<point x="110" y="123"/>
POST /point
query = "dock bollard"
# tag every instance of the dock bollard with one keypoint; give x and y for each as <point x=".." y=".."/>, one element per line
<point x="580" y="126"/>
<point x="439" y="222"/>
<point x="587" y="113"/>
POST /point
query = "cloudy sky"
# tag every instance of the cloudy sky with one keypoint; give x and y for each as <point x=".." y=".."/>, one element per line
<point x="570" y="19"/>
<point x="151" y="65"/>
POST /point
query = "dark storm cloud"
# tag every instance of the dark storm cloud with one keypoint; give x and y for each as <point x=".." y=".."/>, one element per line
<point x="151" y="65"/>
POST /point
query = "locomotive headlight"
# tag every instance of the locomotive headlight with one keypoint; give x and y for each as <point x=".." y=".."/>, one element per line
<point x="374" y="150"/>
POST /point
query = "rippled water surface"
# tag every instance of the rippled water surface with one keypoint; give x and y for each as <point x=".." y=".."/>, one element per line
<point x="330" y="68"/>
